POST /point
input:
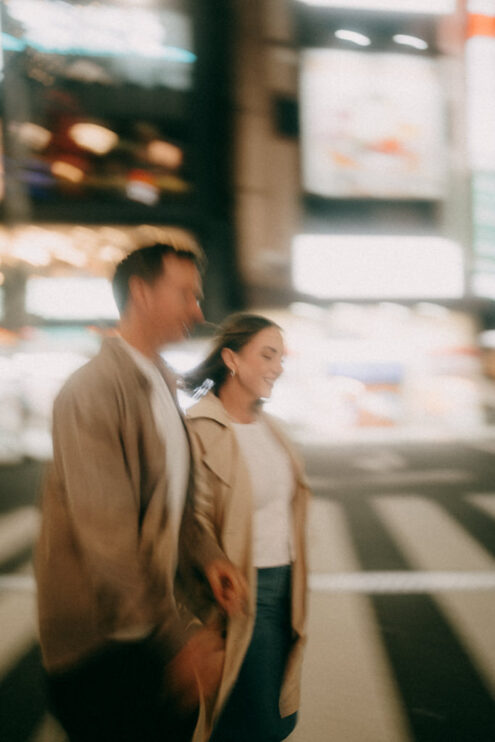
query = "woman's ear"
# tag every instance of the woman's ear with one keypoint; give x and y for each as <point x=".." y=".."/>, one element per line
<point x="228" y="357"/>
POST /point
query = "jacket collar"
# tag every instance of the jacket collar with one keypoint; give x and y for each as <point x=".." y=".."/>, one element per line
<point x="210" y="407"/>
<point x="113" y="349"/>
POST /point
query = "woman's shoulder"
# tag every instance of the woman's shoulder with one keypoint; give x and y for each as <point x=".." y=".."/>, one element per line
<point x="208" y="407"/>
<point x="282" y="432"/>
<point x="278" y="426"/>
<point x="208" y="421"/>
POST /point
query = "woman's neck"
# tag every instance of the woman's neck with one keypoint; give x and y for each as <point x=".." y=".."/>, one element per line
<point x="241" y="407"/>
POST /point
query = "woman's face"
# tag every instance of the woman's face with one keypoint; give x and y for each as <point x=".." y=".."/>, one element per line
<point x="259" y="363"/>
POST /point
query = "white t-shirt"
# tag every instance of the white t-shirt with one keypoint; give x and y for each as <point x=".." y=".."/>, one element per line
<point x="171" y="429"/>
<point x="272" y="482"/>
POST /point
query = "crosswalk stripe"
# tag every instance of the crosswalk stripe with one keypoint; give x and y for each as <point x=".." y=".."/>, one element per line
<point x="402" y="582"/>
<point x="48" y="731"/>
<point x="431" y="540"/>
<point x="18" y="530"/>
<point x="343" y="633"/>
<point x="391" y="479"/>
<point x="330" y="550"/>
<point x="381" y="461"/>
<point x="342" y="636"/>
<point x="18" y="582"/>
<point x="486" y="446"/>
<point x="346" y="582"/>
<point x="484" y="501"/>
<point x="18" y="622"/>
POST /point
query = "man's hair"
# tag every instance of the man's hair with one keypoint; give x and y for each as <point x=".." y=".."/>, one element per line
<point x="147" y="263"/>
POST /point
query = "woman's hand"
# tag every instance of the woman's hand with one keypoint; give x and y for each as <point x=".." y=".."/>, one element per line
<point x="228" y="585"/>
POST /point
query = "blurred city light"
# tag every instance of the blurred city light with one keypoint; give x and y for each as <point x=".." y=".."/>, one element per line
<point x="367" y="266"/>
<point x="353" y="36"/>
<point x="31" y="135"/>
<point x="480" y="116"/>
<point x="34" y="254"/>
<point x="95" y="29"/>
<point x="425" y="7"/>
<point x="66" y="170"/>
<point x="93" y="137"/>
<point x="164" y="153"/>
<point x="412" y="41"/>
<point x="97" y="247"/>
<point x="70" y="298"/>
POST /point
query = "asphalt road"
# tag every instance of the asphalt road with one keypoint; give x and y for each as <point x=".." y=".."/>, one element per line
<point x="402" y="603"/>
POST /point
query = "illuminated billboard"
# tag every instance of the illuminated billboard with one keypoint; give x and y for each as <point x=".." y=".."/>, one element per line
<point x="334" y="267"/>
<point x="75" y="298"/>
<point x="373" y="125"/>
<point x="480" y="93"/>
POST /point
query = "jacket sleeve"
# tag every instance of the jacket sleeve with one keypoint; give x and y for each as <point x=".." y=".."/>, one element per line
<point x="104" y="510"/>
<point x="199" y="534"/>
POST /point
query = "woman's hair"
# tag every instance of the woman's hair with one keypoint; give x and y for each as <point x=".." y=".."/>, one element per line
<point x="234" y="333"/>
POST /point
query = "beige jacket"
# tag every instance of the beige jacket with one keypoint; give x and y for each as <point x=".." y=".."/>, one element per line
<point x="104" y="562"/>
<point x="223" y="507"/>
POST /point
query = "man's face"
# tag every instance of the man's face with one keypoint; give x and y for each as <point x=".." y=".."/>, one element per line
<point x="171" y="303"/>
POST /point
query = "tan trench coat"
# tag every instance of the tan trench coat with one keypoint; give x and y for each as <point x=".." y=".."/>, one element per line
<point x="223" y="506"/>
<point x="104" y="560"/>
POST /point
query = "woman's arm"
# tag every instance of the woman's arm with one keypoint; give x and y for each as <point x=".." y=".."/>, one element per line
<point x="200" y="541"/>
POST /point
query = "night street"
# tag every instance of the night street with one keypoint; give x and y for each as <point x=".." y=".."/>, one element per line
<point x="401" y="642"/>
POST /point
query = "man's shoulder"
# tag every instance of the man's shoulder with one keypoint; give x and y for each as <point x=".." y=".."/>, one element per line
<point x="101" y="376"/>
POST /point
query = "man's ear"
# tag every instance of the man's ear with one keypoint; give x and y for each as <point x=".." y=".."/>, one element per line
<point x="138" y="292"/>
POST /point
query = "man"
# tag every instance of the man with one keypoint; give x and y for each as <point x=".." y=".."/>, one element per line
<point x="120" y="665"/>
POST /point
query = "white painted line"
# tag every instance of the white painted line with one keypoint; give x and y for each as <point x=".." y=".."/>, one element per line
<point x="18" y="583"/>
<point x="484" y="446"/>
<point x="18" y="622"/>
<point x="401" y="582"/>
<point x="344" y="582"/>
<point x="434" y="434"/>
<point x="433" y="540"/>
<point x="429" y="537"/>
<point x="381" y="461"/>
<point x="395" y="479"/>
<point x="343" y="635"/>
<point x="484" y="501"/>
<point x="49" y="731"/>
<point x="18" y="529"/>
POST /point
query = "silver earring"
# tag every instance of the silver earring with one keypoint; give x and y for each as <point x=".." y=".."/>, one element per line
<point x="232" y="372"/>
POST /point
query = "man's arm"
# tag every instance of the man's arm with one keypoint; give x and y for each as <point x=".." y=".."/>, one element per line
<point x="91" y="461"/>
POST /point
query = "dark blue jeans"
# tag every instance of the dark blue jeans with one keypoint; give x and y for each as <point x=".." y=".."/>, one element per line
<point x="251" y="713"/>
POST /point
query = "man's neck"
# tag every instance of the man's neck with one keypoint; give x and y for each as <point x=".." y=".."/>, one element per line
<point x="139" y="340"/>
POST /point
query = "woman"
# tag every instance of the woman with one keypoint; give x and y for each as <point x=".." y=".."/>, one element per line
<point x="251" y="503"/>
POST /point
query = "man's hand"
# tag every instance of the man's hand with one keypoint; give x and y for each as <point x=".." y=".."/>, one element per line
<point x="198" y="664"/>
<point x="228" y="585"/>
